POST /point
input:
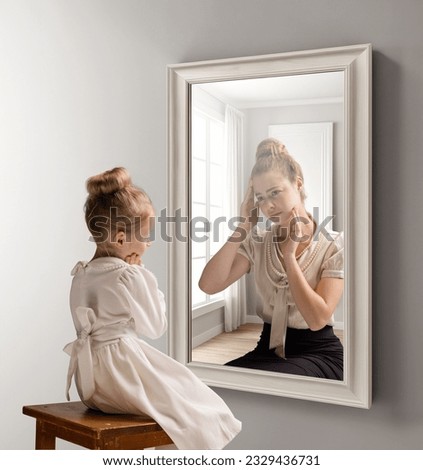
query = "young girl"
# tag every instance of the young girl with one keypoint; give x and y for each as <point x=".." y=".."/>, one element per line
<point x="298" y="272"/>
<point x="114" y="299"/>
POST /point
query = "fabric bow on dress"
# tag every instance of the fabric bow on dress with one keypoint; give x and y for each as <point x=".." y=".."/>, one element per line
<point x="80" y="353"/>
<point x="90" y="332"/>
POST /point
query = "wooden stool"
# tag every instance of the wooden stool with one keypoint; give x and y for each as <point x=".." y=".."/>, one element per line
<point x="74" y="422"/>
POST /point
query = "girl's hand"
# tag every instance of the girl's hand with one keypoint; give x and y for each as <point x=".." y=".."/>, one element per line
<point x="133" y="258"/>
<point x="249" y="210"/>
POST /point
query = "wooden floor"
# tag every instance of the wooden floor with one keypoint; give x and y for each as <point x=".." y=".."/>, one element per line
<point x="227" y="346"/>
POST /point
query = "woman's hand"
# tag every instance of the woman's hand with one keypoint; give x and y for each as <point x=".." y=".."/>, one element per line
<point x="249" y="210"/>
<point x="133" y="258"/>
<point x="289" y="244"/>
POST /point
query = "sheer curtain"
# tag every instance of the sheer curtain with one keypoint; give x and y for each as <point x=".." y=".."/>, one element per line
<point x="235" y="301"/>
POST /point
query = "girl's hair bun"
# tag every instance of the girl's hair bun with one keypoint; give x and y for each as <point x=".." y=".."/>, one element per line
<point x="119" y="205"/>
<point x="109" y="182"/>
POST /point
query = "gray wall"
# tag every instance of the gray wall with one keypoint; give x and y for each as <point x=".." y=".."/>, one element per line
<point x="82" y="88"/>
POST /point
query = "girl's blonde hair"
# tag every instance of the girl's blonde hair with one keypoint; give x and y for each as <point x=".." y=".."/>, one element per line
<point x="114" y="204"/>
<point x="272" y="155"/>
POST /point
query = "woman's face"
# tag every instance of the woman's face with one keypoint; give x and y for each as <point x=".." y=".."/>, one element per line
<point x="277" y="196"/>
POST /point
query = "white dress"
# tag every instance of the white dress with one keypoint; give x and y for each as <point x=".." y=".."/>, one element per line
<point x="112" y="304"/>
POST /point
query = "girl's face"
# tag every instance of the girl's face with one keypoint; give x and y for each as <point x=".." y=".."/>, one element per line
<point x="277" y="196"/>
<point x="142" y="239"/>
<point x="138" y="241"/>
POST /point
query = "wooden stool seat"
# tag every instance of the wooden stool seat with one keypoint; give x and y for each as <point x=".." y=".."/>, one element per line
<point x="74" y="422"/>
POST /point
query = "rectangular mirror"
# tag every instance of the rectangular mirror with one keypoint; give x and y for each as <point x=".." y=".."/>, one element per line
<point x="318" y="104"/>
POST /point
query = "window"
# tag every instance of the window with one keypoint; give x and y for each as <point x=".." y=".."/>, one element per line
<point x="208" y="200"/>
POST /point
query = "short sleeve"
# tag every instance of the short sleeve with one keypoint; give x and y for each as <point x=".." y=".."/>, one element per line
<point x="146" y="301"/>
<point x="247" y="248"/>
<point x="333" y="265"/>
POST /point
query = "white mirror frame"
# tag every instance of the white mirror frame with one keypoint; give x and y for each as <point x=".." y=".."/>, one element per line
<point x="355" y="62"/>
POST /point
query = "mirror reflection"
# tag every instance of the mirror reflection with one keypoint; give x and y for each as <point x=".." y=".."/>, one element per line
<point x="267" y="224"/>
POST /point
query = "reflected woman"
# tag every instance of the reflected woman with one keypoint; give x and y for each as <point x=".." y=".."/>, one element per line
<point x="298" y="271"/>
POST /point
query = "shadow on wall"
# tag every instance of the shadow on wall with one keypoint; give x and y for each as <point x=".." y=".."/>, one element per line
<point x="389" y="335"/>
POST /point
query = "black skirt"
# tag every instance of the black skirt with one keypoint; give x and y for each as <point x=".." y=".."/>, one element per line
<point x="311" y="353"/>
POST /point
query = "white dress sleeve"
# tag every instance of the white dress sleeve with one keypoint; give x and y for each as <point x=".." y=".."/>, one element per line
<point x="146" y="301"/>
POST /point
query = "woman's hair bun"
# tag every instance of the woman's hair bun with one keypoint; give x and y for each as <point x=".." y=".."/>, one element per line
<point x="270" y="147"/>
<point x="272" y="155"/>
<point x="108" y="182"/>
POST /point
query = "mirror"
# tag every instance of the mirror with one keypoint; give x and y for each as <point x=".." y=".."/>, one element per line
<point x="306" y="113"/>
<point x="318" y="104"/>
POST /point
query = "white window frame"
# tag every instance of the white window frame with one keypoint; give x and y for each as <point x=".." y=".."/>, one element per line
<point x="209" y="299"/>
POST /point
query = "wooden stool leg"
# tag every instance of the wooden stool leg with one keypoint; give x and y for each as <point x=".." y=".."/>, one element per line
<point x="44" y="440"/>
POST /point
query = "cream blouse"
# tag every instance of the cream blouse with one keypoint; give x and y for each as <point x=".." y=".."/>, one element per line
<point x="324" y="257"/>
